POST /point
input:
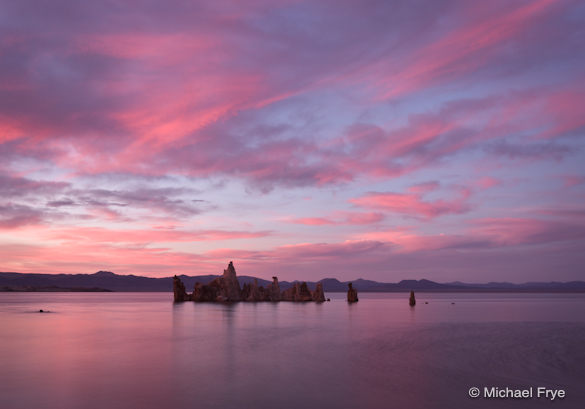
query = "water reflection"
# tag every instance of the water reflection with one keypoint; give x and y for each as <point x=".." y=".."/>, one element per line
<point x="140" y="350"/>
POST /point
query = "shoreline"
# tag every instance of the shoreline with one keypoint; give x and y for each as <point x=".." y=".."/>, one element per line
<point x="471" y="291"/>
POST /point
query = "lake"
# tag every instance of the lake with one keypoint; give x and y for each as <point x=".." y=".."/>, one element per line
<point x="139" y="350"/>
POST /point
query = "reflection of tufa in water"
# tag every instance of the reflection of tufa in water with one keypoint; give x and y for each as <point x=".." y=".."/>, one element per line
<point x="412" y="300"/>
<point x="351" y="294"/>
<point x="227" y="289"/>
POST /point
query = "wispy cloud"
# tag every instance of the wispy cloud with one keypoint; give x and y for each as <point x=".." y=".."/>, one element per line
<point x="414" y="204"/>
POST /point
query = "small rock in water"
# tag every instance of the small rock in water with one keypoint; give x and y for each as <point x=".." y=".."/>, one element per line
<point x="41" y="311"/>
<point x="426" y="302"/>
<point x="351" y="294"/>
<point x="412" y="300"/>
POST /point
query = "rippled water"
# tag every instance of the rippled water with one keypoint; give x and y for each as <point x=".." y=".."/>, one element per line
<point x="138" y="350"/>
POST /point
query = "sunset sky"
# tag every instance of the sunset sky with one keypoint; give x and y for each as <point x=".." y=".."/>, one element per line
<point x="306" y="139"/>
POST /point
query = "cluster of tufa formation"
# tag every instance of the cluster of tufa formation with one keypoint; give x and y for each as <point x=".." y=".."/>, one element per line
<point x="227" y="289"/>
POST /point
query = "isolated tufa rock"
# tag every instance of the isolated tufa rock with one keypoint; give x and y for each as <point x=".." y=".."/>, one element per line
<point x="412" y="300"/>
<point x="318" y="295"/>
<point x="180" y="294"/>
<point x="351" y="294"/>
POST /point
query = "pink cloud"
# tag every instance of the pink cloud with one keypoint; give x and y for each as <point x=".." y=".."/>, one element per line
<point x="340" y="218"/>
<point x="521" y="231"/>
<point x="409" y="241"/>
<point x="573" y="180"/>
<point x="487" y="182"/>
<point x="462" y="50"/>
<point x="425" y="187"/>
<point x="88" y="258"/>
<point x="488" y="125"/>
<point x="364" y="218"/>
<point x="483" y="234"/>
<point x="98" y="234"/>
<point x="304" y="254"/>
<point x="566" y="108"/>
<point x="311" y="221"/>
<point x="413" y="204"/>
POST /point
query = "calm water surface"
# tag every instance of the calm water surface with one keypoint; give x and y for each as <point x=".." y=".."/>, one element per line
<point x="139" y="350"/>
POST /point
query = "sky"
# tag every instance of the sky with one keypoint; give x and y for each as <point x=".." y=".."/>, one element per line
<point x="387" y="140"/>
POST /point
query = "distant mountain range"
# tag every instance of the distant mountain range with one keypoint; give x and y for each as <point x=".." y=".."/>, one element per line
<point x="108" y="281"/>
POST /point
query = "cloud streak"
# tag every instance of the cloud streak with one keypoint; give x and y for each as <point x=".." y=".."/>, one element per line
<point x="413" y="203"/>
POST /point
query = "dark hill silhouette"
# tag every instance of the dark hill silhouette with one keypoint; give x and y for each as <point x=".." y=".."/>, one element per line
<point x="116" y="282"/>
